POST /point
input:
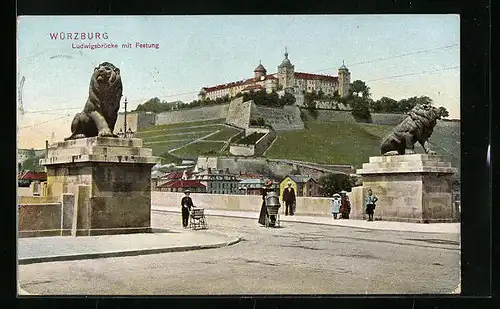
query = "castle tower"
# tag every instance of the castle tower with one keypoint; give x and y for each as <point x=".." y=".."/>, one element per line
<point x="344" y="80"/>
<point x="286" y="76"/>
<point x="259" y="72"/>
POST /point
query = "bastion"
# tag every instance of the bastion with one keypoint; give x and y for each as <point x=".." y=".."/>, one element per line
<point x="411" y="188"/>
<point x="110" y="179"/>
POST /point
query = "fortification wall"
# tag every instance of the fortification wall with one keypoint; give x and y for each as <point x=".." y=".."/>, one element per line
<point x="194" y="114"/>
<point x="239" y="113"/>
<point x="281" y="119"/>
<point x="135" y="121"/>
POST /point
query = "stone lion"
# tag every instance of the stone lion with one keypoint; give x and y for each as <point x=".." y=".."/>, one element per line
<point x="99" y="115"/>
<point x="416" y="127"/>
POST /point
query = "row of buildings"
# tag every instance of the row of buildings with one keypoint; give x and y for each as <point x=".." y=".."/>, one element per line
<point x="286" y="78"/>
<point x="223" y="182"/>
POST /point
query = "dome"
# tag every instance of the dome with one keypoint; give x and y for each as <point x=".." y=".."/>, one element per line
<point x="286" y="62"/>
<point x="260" y="68"/>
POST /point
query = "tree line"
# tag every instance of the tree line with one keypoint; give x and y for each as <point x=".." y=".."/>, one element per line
<point x="361" y="104"/>
<point x="156" y="105"/>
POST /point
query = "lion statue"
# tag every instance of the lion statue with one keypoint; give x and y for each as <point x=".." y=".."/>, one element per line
<point x="99" y="115"/>
<point x="416" y="127"/>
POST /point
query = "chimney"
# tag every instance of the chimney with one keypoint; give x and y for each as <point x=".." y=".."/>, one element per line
<point x="46" y="149"/>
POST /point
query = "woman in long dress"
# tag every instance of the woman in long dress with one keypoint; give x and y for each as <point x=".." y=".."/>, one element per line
<point x="263" y="208"/>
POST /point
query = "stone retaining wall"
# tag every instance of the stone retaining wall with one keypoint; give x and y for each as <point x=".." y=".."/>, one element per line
<point x="311" y="206"/>
<point x="42" y="219"/>
<point x="191" y="115"/>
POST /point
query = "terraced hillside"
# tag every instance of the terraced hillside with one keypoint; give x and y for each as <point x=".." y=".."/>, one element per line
<point x="327" y="142"/>
<point x="187" y="140"/>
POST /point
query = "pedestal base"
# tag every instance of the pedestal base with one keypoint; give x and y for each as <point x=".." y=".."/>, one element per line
<point x="110" y="179"/>
<point x="411" y="188"/>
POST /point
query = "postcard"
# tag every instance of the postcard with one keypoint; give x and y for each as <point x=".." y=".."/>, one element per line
<point x="248" y="154"/>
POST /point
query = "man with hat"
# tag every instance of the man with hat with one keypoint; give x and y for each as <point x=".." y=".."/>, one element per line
<point x="289" y="198"/>
<point x="186" y="204"/>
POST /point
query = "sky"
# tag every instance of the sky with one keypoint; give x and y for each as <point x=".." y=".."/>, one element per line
<point x="398" y="56"/>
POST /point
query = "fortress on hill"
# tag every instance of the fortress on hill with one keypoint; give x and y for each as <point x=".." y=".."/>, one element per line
<point x="285" y="79"/>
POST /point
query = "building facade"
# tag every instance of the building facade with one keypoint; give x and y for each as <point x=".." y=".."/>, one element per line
<point x="286" y="78"/>
<point x="218" y="182"/>
<point x="302" y="184"/>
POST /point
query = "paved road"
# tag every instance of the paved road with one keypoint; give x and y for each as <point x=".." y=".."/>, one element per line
<point x="295" y="259"/>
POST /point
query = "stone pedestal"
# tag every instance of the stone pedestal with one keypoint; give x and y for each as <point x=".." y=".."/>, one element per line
<point x="117" y="172"/>
<point x="412" y="188"/>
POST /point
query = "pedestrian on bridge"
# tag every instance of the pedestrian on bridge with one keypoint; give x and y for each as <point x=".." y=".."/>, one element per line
<point x="336" y="201"/>
<point x="187" y="204"/>
<point x="370" y="204"/>
<point x="263" y="208"/>
<point x="345" y="205"/>
<point x="289" y="199"/>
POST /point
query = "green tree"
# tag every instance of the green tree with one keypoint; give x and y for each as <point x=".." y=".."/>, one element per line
<point x="334" y="183"/>
<point x="384" y="105"/>
<point x="32" y="164"/>
<point x="360" y="109"/>
<point x="287" y="99"/>
<point x="359" y="88"/>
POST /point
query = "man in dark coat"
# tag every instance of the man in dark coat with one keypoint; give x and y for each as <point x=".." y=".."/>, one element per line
<point x="289" y="198"/>
<point x="186" y="204"/>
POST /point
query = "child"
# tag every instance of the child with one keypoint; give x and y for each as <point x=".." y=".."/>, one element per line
<point x="335" y="205"/>
<point x="370" y="204"/>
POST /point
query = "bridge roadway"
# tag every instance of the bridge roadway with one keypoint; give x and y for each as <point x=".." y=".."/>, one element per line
<point x="297" y="258"/>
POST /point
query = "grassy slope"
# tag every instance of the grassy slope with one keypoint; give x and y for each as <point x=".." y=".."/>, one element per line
<point x="347" y="143"/>
<point x="183" y="125"/>
<point x="199" y="148"/>
<point x="163" y="138"/>
<point x="224" y="134"/>
<point x="328" y="143"/>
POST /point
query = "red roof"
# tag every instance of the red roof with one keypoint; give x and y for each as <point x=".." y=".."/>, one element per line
<point x="182" y="184"/>
<point x="235" y="84"/>
<point x="176" y="175"/>
<point x="327" y="78"/>
<point x="253" y="87"/>
<point x="30" y="175"/>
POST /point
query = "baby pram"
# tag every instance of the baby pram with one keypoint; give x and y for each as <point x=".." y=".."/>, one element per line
<point x="197" y="219"/>
<point x="272" y="213"/>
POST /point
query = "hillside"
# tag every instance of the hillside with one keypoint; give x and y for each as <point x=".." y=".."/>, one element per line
<point x="321" y="141"/>
<point x="337" y="142"/>
<point x="187" y="140"/>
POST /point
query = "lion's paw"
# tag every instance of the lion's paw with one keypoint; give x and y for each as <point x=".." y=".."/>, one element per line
<point x="409" y="151"/>
<point x="105" y="133"/>
<point x="431" y="152"/>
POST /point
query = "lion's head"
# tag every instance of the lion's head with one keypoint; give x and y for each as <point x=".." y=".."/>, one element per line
<point x="426" y="111"/>
<point x="106" y="81"/>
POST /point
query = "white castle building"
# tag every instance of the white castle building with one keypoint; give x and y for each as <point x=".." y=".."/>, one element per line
<point x="286" y="78"/>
